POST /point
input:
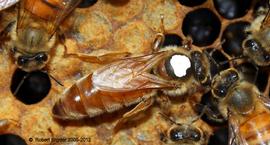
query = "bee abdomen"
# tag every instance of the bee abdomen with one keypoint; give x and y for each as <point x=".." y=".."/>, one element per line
<point x="45" y="9"/>
<point x="256" y="131"/>
<point x="84" y="100"/>
<point x="70" y="105"/>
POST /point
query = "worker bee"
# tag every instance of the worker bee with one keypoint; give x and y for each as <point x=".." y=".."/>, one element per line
<point x="34" y="37"/>
<point x="246" y="109"/>
<point x="187" y="133"/>
<point x="256" y="46"/>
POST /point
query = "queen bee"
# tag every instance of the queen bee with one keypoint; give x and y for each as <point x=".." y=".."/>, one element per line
<point x="173" y="70"/>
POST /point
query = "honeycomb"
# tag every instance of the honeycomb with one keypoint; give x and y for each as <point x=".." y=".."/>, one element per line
<point x="125" y="26"/>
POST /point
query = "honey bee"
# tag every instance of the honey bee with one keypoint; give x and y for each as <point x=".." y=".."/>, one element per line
<point x="185" y="133"/>
<point x="256" y="46"/>
<point x="173" y="70"/>
<point x="34" y="37"/>
<point x="246" y="109"/>
<point x="133" y="80"/>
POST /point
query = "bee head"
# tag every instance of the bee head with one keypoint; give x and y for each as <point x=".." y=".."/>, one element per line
<point x="30" y="62"/>
<point x="256" y="52"/>
<point x="223" y="82"/>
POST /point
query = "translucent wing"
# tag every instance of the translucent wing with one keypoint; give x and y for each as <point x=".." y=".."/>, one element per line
<point x="131" y="74"/>
<point x="235" y="137"/>
<point x="265" y="100"/>
<point x="7" y="3"/>
<point x="48" y="13"/>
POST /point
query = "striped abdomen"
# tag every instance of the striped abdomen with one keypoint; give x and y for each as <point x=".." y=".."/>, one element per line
<point x="85" y="100"/>
<point x="50" y="9"/>
<point x="256" y="130"/>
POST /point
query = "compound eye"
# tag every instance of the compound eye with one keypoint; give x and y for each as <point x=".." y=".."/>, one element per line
<point x="252" y="45"/>
<point x="195" y="135"/>
<point x="22" y="60"/>
<point x="220" y="91"/>
<point x="42" y="57"/>
<point x="176" y="134"/>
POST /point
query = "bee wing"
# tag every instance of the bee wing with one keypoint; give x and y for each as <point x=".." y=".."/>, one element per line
<point x="131" y="74"/>
<point x="265" y="100"/>
<point x="50" y="12"/>
<point x="7" y="3"/>
<point x="235" y="137"/>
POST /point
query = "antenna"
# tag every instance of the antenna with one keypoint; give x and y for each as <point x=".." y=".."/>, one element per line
<point x="52" y="77"/>
<point x="21" y="83"/>
<point x="159" y="39"/>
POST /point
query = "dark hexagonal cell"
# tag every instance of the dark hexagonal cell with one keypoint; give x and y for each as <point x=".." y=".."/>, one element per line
<point x="220" y="137"/>
<point x="191" y="3"/>
<point x="202" y="25"/>
<point x="30" y="88"/>
<point x="213" y="117"/>
<point x="86" y="3"/>
<point x="11" y="139"/>
<point x="218" y="60"/>
<point x="172" y="39"/>
<point x="261" y="81"/>
<point x="232" y="9"/>
<point x="233" y="36"/>
<point x="249" y="70"/>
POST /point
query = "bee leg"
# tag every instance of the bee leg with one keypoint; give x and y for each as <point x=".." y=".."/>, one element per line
<point x="205" y="110"/>
<point x="164" y="103"/>
<point x="142" y="106"/>
<point x="6" y="30"/>
<point x="160" y="37"/>
<point x="103" y="59"/>
<point x="187" y="43"/>
<point x="4" y="33"/>
<point x="158" y="42"/>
